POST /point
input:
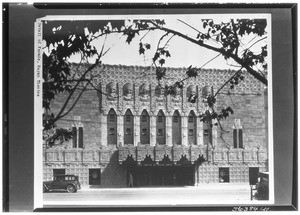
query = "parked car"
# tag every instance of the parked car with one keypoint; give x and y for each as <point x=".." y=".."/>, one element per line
<point x="69" y="183"/>
<point x="262" y="186"/>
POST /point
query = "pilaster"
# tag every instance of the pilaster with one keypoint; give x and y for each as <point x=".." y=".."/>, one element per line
<point x="120" y="129"/>
<point x="184" y="130"/>
<point x="199" y="132"/>
<point x="137" y="136"/>
<point x="215" y="134"/>
<point x="169" y="130"/>
<point x="152" y="130"/>
<point x="103" y="129"/>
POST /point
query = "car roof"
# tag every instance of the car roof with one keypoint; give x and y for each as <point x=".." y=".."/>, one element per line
<point x="264" y="173"/>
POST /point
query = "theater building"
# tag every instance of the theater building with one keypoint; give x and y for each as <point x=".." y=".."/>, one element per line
<point x="130" y="126"/>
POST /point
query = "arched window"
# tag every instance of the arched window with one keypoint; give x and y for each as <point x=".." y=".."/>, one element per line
<point x="145" y="127"/>
<point x="112" y="127"/>
<point x="192" y="128"/>
<point x="161" y="128"/>
<point x="237" y="134"/>
<point x="128" y="127"/>
<point x="207" y="132"/>
<point x="176" y="128"/>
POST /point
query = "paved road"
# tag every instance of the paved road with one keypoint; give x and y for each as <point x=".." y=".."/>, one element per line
<point x="203" y="195"/>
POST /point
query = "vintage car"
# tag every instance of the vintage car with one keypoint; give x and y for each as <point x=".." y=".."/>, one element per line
<point x="262" y="186"/>
<point x="69" y="183"/>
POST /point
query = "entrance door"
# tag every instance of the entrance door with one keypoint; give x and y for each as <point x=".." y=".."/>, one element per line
<point x="94" y="176"/>
<point x="165" y="176"/>
<point x="253" y="175"/>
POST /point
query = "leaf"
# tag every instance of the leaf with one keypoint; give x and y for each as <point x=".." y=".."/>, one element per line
<point x="168" y="54"/>
<point x="161" y="61"/>
<point x="141" y="48"/>
<point x="117" y="24"/>
<point x="192" y="72"/>
<point x="156" y="56"/>
<point x="160" y="73"/>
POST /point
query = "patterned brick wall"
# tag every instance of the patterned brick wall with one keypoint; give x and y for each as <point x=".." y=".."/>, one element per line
<point x="247" y="100"/>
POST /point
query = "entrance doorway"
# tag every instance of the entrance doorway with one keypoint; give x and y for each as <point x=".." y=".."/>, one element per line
<point x="253" y="175"/>
<point x="164" y="176"/>
<point x="94" y="176"/>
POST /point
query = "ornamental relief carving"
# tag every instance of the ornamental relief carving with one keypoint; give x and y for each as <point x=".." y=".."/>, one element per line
<point x="160" y="93"/>
<point x="111" y="90"/>
<point x="176" y="98"/>
<point x="144" y="92"/>
<point x="128" y="92"/>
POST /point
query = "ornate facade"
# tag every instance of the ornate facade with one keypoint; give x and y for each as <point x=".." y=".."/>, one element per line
<point x="129" y="125"/>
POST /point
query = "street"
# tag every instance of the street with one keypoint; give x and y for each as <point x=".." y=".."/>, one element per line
<point x="198" y="195"/>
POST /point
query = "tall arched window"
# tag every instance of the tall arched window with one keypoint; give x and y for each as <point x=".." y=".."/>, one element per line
<point x="161" y="128"/>
<point x="145" y="127"/>
<point x="112" y="127"/>
<point x="128" y="127"/>
<point x="176" y="128"/>
<point x="207" y="132"/>
<point x="192" y="128"/>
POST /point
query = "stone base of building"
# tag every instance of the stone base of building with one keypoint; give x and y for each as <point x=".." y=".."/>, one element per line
<point x="155" y="166"/>
<point x="114" y="175"/>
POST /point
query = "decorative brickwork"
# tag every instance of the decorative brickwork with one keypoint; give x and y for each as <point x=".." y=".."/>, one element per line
<point x="135" y="89"/>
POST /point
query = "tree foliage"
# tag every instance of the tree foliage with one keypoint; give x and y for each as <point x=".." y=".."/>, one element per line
<point x="63" y="39"/>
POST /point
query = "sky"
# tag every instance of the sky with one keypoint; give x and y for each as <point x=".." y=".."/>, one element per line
<point x="183" y="53"/>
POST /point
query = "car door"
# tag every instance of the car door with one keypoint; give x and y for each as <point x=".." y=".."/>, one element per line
<point x="57" y="182"/>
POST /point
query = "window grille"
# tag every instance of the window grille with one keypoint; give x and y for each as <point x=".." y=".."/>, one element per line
<point x="160" y="132"/>
<point x="112" y="131"/>
<point x="112" y="118"/>
<point x="128" y="118"/>
<point x="144" y="118"/>
<point x="128" y="131"/>
<point x="144" y="131"/>
<point x="77" y="140"/>
<point x="175" y="119"/>
<point x="159" y="119"/>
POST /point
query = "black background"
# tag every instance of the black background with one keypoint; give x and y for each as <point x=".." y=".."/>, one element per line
<point x="18" y="86"/>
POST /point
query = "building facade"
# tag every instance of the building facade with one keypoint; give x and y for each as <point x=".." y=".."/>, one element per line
<point x="126" y="124"/>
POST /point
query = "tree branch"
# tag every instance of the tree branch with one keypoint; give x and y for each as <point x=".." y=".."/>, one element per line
<point x="227" y="82"/>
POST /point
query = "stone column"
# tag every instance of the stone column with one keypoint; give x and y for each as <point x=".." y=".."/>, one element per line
<point x="103" y="129"/>
<point x="184" y="130"/>
<point x="120" y="129"/>
<point x="199" y="132"/>
<point x="169" y="131"/>
<point x="136" y="137"/>
<point x="152" y="130"/>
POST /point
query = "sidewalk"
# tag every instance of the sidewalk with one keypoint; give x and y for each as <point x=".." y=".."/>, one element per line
<point x="211" y="186"/>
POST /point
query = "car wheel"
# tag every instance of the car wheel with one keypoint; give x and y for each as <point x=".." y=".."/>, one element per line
<point x="71" y="189"/>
